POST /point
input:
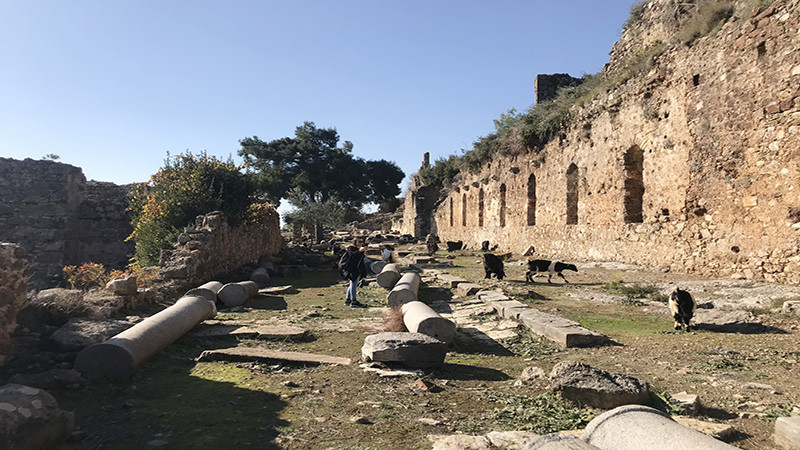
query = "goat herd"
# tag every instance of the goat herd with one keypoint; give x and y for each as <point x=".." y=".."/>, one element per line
<point x="681" y="304"/>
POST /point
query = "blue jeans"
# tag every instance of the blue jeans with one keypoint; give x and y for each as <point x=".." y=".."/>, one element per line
<point x="351" y="290"/>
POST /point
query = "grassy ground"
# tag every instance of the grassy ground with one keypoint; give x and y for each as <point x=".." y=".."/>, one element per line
<point x="176" y="402"/>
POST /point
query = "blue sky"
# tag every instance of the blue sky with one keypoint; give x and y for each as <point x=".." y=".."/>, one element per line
<point x="112" y="86"/>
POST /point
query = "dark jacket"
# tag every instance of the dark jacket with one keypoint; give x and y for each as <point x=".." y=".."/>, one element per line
<point x="351" y="265"/>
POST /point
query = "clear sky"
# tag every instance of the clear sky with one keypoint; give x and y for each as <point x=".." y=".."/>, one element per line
<point x="112" y="86"/>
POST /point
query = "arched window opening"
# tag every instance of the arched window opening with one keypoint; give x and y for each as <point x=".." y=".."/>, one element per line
<point x="532" y="200"/>
<point x="480" y="208"/>
<point x="633" y="185"/>
<point x="464" y="210"/>
<point x="572" y="194"/>
<point x="502" y="205"/>
<point x="451" y="212"/>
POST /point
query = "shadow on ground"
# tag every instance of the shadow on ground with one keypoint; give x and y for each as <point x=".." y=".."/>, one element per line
<point x="166" y="405"/>
<point x="465" y="372"/>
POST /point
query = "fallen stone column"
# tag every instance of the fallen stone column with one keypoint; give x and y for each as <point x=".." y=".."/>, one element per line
<point x="388" y="276"/>
<point x="377" y="266"/>
<point x="405" y="290"/>
<point x="421" y="318"/>
<point x="261" y="277"/>
<point x="208" y="291"/>
<point x="634" y="427"/>
<point x="117" y="357"/>
<point x="235" y="294"/>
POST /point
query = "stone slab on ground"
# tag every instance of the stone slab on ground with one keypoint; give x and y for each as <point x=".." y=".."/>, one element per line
<point x="411" y="349"/>
<point x="467" y="289"/>
<point x="563" y="332"/>
<point x="385" y="372"/>
<point x="492" y="296"/>
<point x="258" y="331"/>
<point x="559" y="441"/>
<point x="276" y="289"/>
<point x="719" y="431"/>
<point x="787" y="432"/>
<point x="508" y="309"/>
<point x="451" y="281"/>
<point x="254" y="354"/>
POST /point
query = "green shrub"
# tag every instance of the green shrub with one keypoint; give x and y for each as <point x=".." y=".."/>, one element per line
<point x="188" y="185"/>
<point x="637" y="11"/>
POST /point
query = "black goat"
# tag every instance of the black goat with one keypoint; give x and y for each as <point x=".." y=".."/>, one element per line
<point x="493" y="265"/>
<point x="453" y="246"/>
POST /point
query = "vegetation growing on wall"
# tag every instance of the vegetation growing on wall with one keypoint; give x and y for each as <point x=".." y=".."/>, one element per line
<point x="188" y="185"/>
<point x="531" y="130"/>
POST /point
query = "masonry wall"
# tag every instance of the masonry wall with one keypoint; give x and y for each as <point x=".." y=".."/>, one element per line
<point x="13" y="298"/>
<point x="211" y="248"/>
<point x="693" y="165"/>
<point x="60" y="219"/>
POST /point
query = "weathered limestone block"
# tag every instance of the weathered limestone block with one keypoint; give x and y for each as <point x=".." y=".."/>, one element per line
<point x="208" y="291"/>
<point x="421" y="318"/>
<point x="411" y="349"/>
<point x="467" y="289"/>
<point x="787" y="432"/>
<point x="450" y="281"/>
<point x="690" y="403"/>
<point x="634" y="427"/>
<point x="460" y="442"/>
<point x="123" y="286"/>
<point x="30" y="418"/>
<point x="588" y="385"/>
<point x="235" y="294"/>
<point x="563" y="332"/>
<point x="791" y="307"/>
<point x="509" y="309"/>
<point x="406" y="290"/>
<point x="117" y="357"/>
<point x="389" y="276"/>
<point x="80" y="333"/>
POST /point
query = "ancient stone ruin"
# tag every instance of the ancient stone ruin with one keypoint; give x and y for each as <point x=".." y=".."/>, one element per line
<point x="690" y="166"/>
<point x="61" y="219"/>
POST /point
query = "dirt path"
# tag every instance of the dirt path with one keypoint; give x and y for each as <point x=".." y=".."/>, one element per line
<point x="745" y="375"/>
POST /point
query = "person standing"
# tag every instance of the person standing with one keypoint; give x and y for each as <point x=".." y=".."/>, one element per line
<point x="353" y="268"/>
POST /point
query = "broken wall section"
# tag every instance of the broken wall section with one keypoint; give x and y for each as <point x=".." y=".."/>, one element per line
<point x="211" y="247"/>
<point x="61" y="219"/>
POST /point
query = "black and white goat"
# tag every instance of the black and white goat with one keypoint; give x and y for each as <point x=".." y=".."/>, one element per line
<point x="681" y="307"/>
<point x="552" y="267"/>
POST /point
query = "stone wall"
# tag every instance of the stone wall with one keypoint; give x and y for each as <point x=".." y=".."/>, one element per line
<point x="61" y="219"/>
<point x="212" y="247"/>
<point x="693" y="165"/>
<point x="13" y="298"/>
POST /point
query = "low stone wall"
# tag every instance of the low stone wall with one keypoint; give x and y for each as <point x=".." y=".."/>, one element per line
<point x="212" y="247"/>
<point x="13" y="276"/>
